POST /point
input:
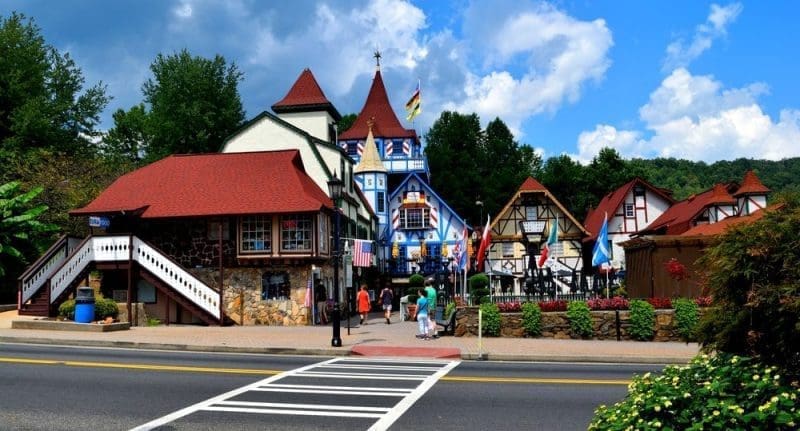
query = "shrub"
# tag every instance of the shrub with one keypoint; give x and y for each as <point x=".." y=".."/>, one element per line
<point x="580" y="319"/>
<point x="643" y="320"/>
<point x="615" y="303"/>
<point x="416" y="281"/>
<point x="490" y="324"/>
<point x="450" y="307"/>
<point x="67" y="309"/>
<point x="752" y="274"/>
<point x="105" y="307"/>
<point x="686" y="318"/>
<point x="532" y="319"/>
<point x="478" y="288"/>
<point x="721" y="392"/>
<point x="547" y="306"/>
<point x="660" y="303"/>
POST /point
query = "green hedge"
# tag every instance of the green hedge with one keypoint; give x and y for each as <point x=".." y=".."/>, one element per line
<point x="580" y="319"/>
<point x="103" y="307"/>
<point x="490" y="324"/>
<point x="643" y="320"/>
<point x="532" y="319"/>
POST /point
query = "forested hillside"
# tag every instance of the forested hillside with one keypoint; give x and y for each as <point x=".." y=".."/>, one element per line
<point x="685" y="177"/>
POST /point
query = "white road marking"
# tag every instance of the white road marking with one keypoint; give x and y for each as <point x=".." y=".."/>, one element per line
<point x="360" y="369"/>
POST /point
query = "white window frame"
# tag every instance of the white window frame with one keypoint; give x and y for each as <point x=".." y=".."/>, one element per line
<point x="255" y="235"/>
<point x="296" y="233"/>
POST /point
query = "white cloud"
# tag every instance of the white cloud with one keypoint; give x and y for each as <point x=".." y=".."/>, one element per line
<point x="680" y="54"/>
<point x="183" y="10"/>
<point x="558" y="54"/>
<point x="627" y="142"/>
<point x="695" y="118"/>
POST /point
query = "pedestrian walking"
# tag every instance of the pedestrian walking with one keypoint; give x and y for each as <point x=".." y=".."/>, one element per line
<point x="430" y="293"/>
<point x="362" y="301"/>
<point x="387" y="296"/>
<point x="422" y="315"/>
<point x="322" y="313"/>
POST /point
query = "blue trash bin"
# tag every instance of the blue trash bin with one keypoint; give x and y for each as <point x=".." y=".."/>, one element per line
<point x="84" y="305"/>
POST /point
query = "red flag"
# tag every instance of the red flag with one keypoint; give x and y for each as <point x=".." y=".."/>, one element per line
<point x="486" y="241"/>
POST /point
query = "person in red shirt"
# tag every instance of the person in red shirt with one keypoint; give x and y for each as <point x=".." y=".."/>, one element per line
<point x="363" y="303"/>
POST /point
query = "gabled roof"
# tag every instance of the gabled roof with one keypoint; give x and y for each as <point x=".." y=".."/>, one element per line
<point x="305" y="96"/>
<point x="269" y="182"/>
<point x="720" y="227"/>
<point x="530" y="185"/>
<point x="678" y="218"/>
<point x="378" y="109"/>
<point x="427" y="188"/>
<point x="611" y="203"/>
<point x="751" y="185"/>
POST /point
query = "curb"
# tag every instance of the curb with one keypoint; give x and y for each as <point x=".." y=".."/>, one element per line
<point x="417" y="352"/>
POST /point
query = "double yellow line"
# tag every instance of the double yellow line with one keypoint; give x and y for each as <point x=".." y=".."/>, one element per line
<point x="262" y="372"/>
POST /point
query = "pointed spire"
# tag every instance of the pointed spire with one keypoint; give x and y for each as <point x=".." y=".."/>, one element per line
<point x="306" y="95"/>
<point x="720" y="195"/>
<point x="370" y="159"/>
<point x="751" y="185"/>
<point x="377" y="56"/>
<point x="378" y="109"/>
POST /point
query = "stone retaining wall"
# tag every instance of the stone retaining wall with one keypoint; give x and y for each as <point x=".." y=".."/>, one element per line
<point x="556" y="325"/>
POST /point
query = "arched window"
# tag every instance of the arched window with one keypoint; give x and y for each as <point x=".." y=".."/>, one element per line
<point x="275" y="285"/>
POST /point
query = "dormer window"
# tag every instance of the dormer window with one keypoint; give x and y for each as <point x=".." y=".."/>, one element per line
<point x="414" y="211"/>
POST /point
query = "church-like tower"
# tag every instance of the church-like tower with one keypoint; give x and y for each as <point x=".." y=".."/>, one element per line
<point x="372" y="178"/>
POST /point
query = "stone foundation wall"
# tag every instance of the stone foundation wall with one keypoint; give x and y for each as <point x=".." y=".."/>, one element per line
<point x="242" y="298"/>
<point x="556" y="325"/>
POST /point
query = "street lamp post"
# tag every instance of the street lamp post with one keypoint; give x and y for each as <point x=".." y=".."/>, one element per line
<point x="335" y="187"/>
<point x="532" y="231"/>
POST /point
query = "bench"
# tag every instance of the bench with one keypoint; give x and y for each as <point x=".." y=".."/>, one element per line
<point x="448" y="324"/>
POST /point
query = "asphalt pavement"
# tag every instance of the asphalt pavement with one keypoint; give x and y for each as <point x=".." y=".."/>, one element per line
<point x="376" y="338"/>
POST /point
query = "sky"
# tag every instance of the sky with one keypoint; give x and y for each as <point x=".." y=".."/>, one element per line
<point x="688" y="79"/>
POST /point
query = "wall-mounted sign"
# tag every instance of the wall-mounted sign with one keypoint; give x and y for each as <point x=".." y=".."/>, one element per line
<point x="96" y="221"/>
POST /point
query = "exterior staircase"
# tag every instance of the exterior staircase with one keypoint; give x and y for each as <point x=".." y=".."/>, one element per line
<point x="54" y="276"/>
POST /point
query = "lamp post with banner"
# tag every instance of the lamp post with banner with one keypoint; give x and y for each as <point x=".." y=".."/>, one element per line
<point x="532" y="231"/>
<point x="335" y="187"/>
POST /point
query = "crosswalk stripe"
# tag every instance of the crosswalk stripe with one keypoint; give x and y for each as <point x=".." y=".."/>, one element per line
<point x="331" y="392"/>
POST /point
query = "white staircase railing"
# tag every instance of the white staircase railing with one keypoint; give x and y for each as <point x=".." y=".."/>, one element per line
<point x="118" y="248"/>
<point x="34" y="279"/>
<point x="178" y="278"/>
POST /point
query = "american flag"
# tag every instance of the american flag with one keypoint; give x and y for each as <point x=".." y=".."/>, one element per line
<point x="362" y="253"/>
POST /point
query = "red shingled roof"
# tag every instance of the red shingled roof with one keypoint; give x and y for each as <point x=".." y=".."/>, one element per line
<point x="378" y="107"/>
<point x="531" y="185"/>
<point x="751" y="185"/>
<point x="720" y="227"/>
<point x="273" y="182"/>
<point x="678" y="218"/>
<point x="611" y="203"/>
<point x="305" y="95"/>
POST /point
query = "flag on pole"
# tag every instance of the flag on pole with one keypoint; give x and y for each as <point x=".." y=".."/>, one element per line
<point x="600" y="253"/>
<point x="362" y="253"/>
<point x="462" y="257"/>
<point x="486" y="241"/>
<point x="551" y="242"/>
<point x="309" y="287"/>
<point x="414" y="104"/>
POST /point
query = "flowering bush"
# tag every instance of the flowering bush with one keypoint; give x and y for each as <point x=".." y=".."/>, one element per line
<point x="677" y="271"/>
<point x="509" y="307"/>
<point x="660" y="302"/>
<point x="720" y="392"/>
<point x="559" y="305"/>
<point x="615" y="303"/>
<point x="703" y="301"/>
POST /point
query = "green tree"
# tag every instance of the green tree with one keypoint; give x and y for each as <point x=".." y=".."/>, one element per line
<point x="491" y="165"/>
<point x="130" y="138"/>
<point x="194" y="104"/>
<point x="20" y="229"/>
<point x="567" y="181"/>
<point x="455" y="140"/>
<point x="42" y="100"/>
<point x="753" y="275"/>
<point x="346" y="122"/>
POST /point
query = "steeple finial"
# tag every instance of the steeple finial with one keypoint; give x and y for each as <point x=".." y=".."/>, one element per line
<point x="377" y="56"/>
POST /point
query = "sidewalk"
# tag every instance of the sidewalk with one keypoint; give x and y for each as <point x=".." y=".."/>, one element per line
<point x="374" y="339"/>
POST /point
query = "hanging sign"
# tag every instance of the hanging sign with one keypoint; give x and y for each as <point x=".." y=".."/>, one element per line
<point x="102" y="222"/>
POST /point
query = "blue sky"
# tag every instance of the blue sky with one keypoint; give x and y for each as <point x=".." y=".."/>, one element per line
<point x="687" y="79"/>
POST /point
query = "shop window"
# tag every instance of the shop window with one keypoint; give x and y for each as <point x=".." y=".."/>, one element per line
<point x="255" y="235"/>
<point x="275" y="286"/>
<point x="296" y="233"/>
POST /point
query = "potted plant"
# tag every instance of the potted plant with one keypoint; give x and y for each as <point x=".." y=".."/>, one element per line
<point x="415" y="283"/>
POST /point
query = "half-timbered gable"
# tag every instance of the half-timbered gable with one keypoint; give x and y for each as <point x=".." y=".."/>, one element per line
<point x="533" y="202"/>
<point x="629" y="208"/>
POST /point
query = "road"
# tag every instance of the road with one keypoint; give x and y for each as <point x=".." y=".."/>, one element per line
<point x="71" y="388"/>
